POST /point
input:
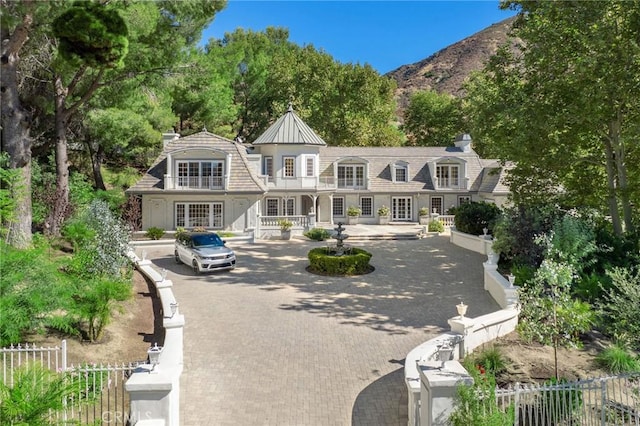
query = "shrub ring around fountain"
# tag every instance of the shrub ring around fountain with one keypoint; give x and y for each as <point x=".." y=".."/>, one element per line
<point x="325" y="261"/>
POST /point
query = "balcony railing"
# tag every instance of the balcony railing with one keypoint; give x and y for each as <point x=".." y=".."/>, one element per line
<point x="451" y="183"/>
<point x="303" y="182"/>
<point x="195" y="182"/>
<point x="273" y="221"/>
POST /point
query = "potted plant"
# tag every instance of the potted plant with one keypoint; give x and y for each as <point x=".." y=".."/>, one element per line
<point x="285" y="228"/>
<point x="383" y="215"/>
<point x="352" y="215"/>
<point x="424" y="215"/>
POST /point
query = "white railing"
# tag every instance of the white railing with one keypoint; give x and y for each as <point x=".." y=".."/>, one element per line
<point x="274" y="221"/>
<point x="100" y="395"/>
<point x="302" y="182"/>
<point x="195" y="182"/>
<point x="447" y="220"/>
<point x="613" y="400"/>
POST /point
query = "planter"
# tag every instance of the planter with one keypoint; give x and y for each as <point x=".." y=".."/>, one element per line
<point x="383" y="220"/>
<point x="424" y="220"/>
<point x="285" y="235"/>
<point x="352" y="220"/>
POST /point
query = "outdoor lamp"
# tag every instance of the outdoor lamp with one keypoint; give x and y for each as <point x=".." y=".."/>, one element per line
<point x="462" y="309"/>
<point x="154" y="355"/>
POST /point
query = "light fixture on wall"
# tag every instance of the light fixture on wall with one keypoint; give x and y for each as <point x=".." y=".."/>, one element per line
<point x="144" y="255"/>
<point x="154" y="355"/>
<point x="174" y="308"/>
<point x="444" y="352"/>
<point x="163" y="274"/>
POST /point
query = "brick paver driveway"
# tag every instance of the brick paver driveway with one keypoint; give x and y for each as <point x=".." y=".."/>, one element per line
<point x="271" y="344"/>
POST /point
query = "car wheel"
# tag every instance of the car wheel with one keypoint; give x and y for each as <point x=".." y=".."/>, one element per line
<point x="177" y="257"/>
<point x="195" y="266"/>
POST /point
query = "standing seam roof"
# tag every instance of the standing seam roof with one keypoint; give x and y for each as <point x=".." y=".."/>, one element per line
<point x="289" y="129"/>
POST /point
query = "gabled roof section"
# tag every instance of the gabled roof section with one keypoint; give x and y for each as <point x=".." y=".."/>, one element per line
<point x="289" y="129"/>
<point x="242" y="178"/>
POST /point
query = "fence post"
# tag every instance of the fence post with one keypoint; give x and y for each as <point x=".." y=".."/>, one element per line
<point x="63" y="350"/>
<point x="516" y="403"/>
<point x="603" y="392"/>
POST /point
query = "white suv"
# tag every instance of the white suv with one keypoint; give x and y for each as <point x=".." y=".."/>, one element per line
<point x="204" y="251"/>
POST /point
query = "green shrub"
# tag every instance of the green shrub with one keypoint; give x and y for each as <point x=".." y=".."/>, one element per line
<point x="492" y="360"/>
<point x="476" y="404"/>
<point x="472" y="217"/>
<point x="616" y="359"/>
<point x="424" y="211"/>
<point x="318" y="234"/>
<point x="154" y="233"/>
<point x="322" y="261"/>
<point x="77" y="232"/>
<point x="354" y="211"/>
<point x="435" y="226"/>
<point x="384" y="211"/>
<point x="285" y="225"/>
<point x="620" y="307"/>
<point x="516" y="230"/>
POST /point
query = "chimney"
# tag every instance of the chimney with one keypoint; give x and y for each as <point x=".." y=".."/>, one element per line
<point x="463" y="142"/>
<point x="168" y="137"/>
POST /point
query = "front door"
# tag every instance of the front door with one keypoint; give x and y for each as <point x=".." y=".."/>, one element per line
<point x="401" y="209"/>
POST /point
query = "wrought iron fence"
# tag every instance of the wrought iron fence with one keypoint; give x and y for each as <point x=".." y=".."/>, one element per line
<point x="100" y="397"/>
<point x="612" y="400"/>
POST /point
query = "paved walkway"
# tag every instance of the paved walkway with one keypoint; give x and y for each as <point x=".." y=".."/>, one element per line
<point x="271" y="344"/>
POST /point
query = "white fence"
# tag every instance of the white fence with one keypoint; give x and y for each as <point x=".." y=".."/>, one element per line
<point x="100" y="396"/>
<point x="613" y="400"/>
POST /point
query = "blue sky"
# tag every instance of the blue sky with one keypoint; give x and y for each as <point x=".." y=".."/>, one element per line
<point x="384" y="34"/>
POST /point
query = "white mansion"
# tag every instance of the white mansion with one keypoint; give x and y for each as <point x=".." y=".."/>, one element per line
<point x="205" y="180"/>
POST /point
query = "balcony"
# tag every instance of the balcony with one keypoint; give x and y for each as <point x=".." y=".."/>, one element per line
<point x="301" y="183"/>
<point x="194" y="182"/>
<point x="451" y="183"/>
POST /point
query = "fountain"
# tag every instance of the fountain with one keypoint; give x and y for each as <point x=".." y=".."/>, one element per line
<point x="340" y="237"/>
<point x="339" y="260"/>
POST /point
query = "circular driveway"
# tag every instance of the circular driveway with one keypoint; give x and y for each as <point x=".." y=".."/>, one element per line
<point x="271" y="344"/>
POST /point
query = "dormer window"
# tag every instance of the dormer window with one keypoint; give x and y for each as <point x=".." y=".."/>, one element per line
<point x="351" y="176"/>
<point x="201" y="174"/>
<point x="400" y="172"/>
<point x="448" y="175"/>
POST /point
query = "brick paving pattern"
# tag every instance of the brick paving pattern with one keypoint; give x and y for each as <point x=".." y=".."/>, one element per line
<point x="271" y="344"/>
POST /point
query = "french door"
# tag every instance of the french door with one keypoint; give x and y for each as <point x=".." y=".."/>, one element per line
<point x="401" y="209"/>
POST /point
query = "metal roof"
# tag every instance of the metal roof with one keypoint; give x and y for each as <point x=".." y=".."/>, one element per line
<point x="289" y="129"/>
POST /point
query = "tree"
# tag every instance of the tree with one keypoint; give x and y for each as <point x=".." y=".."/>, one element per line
<point x="16" y="25"/>
<point x="432" y="119"/>
<point x="346" y="104"/>
<point x="564" y="107"/>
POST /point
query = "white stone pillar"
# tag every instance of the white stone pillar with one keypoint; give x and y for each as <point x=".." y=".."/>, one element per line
<point x="438" y="390"/>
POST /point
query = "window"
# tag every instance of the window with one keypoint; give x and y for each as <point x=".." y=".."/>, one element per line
<point x="338" y="206"/>
<point x="366" y="205"/>
<point x="464" y="199"/>
<point x="448" y="175"/>
<point x="310" y="167"/>
<point x="289" y="169"/>
<point x="288" y="206"/>
<point x="436" y="205"/>
<point x="267" y="167"/>
<point x="400" y="173"/>
<point x="201" y="174"/>
<point x="272" y="207"/>
<point x="351" y="176"/>
<point x="207" y="215"/>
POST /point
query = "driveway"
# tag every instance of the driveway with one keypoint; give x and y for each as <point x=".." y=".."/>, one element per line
<point x="271" y="344"/>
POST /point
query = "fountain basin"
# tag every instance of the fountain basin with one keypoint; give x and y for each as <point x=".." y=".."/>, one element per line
<point x="326" y="261"/>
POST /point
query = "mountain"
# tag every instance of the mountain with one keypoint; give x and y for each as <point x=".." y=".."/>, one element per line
<point x="446" y="70"/>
